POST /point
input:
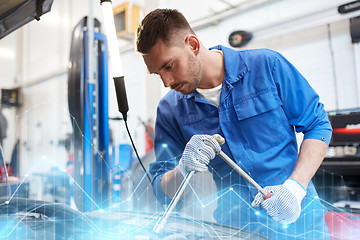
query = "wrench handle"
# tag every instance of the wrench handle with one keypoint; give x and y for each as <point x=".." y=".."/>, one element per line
<point x="243" y="174"/>
<point x="221" y="141"/>
<point x="162" y="221"/>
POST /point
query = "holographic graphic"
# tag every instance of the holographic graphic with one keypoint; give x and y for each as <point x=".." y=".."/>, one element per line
<point x="40" y="205"/>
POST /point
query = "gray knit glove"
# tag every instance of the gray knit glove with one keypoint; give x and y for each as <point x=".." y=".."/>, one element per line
<point x="284" y="205"/>
<point x="197" y="153"/>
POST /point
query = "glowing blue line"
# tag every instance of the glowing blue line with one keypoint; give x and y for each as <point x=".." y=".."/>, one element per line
<point x="243" y="199"/>
<point x="216" y="198"/>
<point x="133" y="193"/>
<point x="22" y="181"/>
<point x="193" y="190"/>
<point x="83" y="191"/>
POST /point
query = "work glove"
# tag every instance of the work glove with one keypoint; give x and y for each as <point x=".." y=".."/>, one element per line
<point x="284" y="205"/>
<point x="197" y="153"/>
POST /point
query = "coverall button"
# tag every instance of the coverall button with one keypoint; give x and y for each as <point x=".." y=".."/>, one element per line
<point x="227" y="87"/>
<point x="323" y="138"/>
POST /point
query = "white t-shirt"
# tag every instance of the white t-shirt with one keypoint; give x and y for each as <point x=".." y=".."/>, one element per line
<point x="212" y="94"/>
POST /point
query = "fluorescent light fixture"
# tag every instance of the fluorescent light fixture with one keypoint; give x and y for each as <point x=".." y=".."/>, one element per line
<point x="115" y="62"/>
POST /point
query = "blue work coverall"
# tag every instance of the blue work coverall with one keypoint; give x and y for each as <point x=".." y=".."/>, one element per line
<point x="264" y="100"/>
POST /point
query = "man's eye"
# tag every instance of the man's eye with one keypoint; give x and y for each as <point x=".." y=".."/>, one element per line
<point x="169" y="66"/>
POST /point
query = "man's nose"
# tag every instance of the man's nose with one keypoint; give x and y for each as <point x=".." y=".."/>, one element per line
<point x="167" y="79"/>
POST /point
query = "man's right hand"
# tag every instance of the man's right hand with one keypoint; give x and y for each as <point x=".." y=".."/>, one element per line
<point x="197" y="153"/>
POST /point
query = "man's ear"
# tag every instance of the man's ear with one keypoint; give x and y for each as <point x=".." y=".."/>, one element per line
<point x="193" y="42"/>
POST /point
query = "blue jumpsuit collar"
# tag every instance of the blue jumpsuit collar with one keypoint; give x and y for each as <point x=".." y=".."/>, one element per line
<point x="237" y="68"/>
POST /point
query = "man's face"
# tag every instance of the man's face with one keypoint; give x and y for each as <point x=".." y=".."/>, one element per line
<point x="177" y="66"/>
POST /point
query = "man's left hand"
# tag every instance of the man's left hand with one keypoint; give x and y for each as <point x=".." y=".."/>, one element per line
<point x="284" y="205"/>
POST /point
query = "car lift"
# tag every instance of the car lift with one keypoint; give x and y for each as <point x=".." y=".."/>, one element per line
<point x="88" y="106"/>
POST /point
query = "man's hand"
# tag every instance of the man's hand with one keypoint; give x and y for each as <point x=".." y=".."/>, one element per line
<point x="197" y="153"/>
<point x="284" y="205"/>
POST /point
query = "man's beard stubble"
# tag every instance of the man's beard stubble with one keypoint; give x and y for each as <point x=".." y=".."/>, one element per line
<point x="194" y="75"/>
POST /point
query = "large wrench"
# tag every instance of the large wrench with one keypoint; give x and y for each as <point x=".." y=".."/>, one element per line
<point x="162" y="221"/>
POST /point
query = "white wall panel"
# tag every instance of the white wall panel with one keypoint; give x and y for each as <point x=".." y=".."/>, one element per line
<point x="344" y="65"/>
<point x="8" y="60"/>
<point x="8" y="66"/>
<point x="43" y="123"/>
<point x="309" y="52"/>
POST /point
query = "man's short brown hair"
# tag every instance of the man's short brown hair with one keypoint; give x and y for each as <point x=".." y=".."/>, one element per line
<point x="160" y="24"/>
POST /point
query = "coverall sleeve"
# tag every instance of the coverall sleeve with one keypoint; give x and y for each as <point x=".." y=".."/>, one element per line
<point x="300" y="101"/>
<point x="168" y="145"/>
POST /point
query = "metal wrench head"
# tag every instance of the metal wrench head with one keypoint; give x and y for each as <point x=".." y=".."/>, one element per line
<point x="219" y="139"/>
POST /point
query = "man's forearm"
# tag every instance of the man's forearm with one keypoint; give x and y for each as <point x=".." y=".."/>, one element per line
<point x="311" y="155"/>
<point x="171" y="181"/>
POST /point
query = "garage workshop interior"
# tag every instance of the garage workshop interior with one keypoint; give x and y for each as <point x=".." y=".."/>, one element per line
<point x="164" y="119"/>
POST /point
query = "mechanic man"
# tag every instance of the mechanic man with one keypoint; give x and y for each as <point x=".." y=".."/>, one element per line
<point x="256" y="100"/>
